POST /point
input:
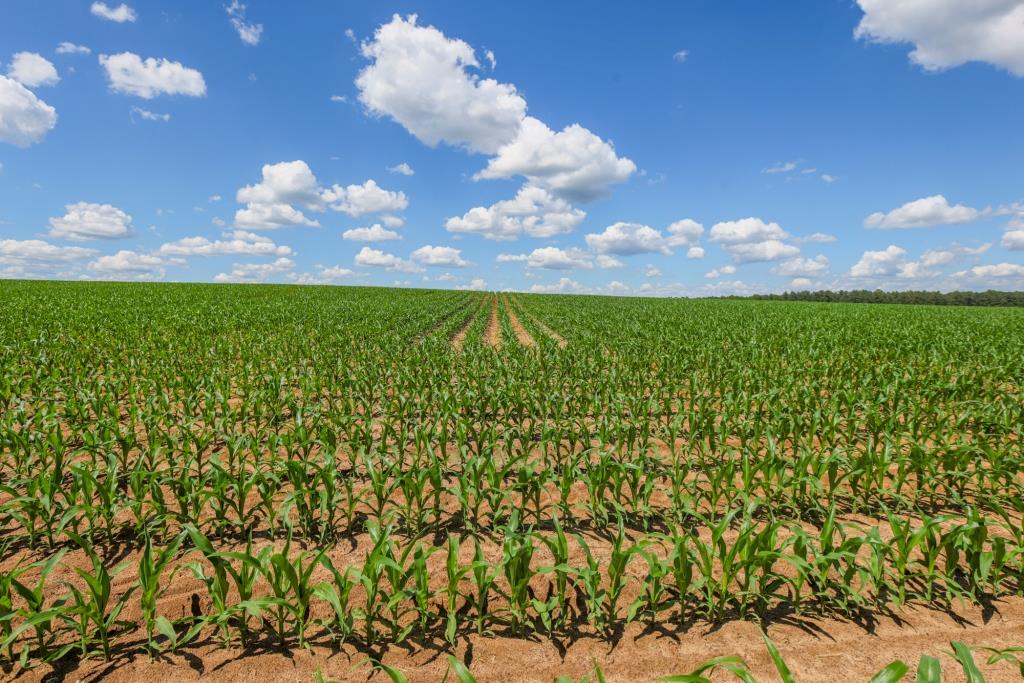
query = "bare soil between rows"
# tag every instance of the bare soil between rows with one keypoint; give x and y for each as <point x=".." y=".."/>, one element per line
<point x="492" y="336"/>
<point x="517" y="326"/>
<point x="815" y="650"/>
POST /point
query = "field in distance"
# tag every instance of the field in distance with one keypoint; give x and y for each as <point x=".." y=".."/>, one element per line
<point x="285" y="483"/>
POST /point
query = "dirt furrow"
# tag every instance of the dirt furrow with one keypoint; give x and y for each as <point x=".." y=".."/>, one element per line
<point x="492" y="337"/>
<point x="559" y="339"/>
<point x="521" y="334"/>
<point x="460" y="336"/>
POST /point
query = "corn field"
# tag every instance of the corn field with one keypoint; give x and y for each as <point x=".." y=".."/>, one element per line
<point x="297" y="467"/>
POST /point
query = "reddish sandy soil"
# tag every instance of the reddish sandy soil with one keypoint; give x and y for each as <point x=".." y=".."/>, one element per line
<point x="815" y="650"/>
<point x="460" y="336"/>
<point x="492" y="336"/>
<point x="521" y="334"/>
<point x="559" y="339"/>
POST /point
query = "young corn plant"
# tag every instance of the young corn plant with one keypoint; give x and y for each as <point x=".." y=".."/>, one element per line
<point x="37" y="616"/>
<point x="151" y="567"/>
<point x="93" y="612"/>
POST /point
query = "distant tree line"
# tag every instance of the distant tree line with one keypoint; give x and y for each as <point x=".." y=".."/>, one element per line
<point x="866" y="296"/>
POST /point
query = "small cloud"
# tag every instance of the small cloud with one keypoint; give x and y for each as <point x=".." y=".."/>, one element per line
<point x="32" y="70"/>
<point x="147" y="115"/>
<point x="780" y="167"/>
<point x="491" y="58"/>
<point x="213" y="198"/>
<point x="819" y="237"/>
<point x="829" y="178"/>
<point x="477" y="284"/>
<point x="119" y="14"/>
<point x="681" y="56"/>
<point x="249" y="32"/>
<point x="351" y="35"/>
<point x="67" y="48"/>
<point x="402" y="169"/>
<point x="339" y="98"/>
<point x="719" y="272"/>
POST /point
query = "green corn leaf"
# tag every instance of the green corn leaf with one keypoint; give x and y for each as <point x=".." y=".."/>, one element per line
<point x="780" y="664"/>
<point x="895" y="671"/>
<point x="461" y="672"/>
<point x="963" y="655"/>
<point x="929" y="670"/>
<point x="395" y="675"/>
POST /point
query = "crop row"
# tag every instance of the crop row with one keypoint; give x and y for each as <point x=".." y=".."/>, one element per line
<point x="326" y="464"/>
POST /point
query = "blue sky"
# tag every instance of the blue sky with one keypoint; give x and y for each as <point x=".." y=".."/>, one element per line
<point x="676" y="148"/>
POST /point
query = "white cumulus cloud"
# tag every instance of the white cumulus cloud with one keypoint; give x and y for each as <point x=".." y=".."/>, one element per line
<point x="424" y="81"/>
<point x="534" y="211"/>
<point x="450" y="257"/>
<point x="684" y="233"/>
<point x="800" y="283"/>
<point x="429" y="84"/>
<point x="289" y="187"/>
<point x="269" y="203"/>
<point x="477" y="284"/>
<point x="606" y="261"/>
<point x="746" y="230"/>
<point x="36" y="258"/>
<point x="997" y="271"/>
<point x="719" y="272"/>
<point x="129" y="74"/>
<point x="573" y="162"/>
<point x="563" y="286"/>
<point x="359" y="200"/>
<point x="24" y="118"/>
<point x="89" y="221"/>
<point x="376" y="258"/>
<point x="920" y="213"/>
<point x="255" y="272"/>
<point x="887" y="262"/>
<point x="553" y="258"/>
<point x="626" y="239"/>
<point x="128" y="265"/>
<point x="1014" y="239"/>
<point x="32" y="70"/>
<point x="373" y="233"/>
<point x="802" y="266"/>
<point x="751" y="240"/>
<point x="238" y="242"/>
<point x="324" y="275"/>
<point x="119" y="14"/>
<point x="755" y="252"/>
<point x="948" y="33"/>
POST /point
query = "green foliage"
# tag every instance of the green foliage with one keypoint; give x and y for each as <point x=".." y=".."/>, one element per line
<point x="648" y="460"/>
